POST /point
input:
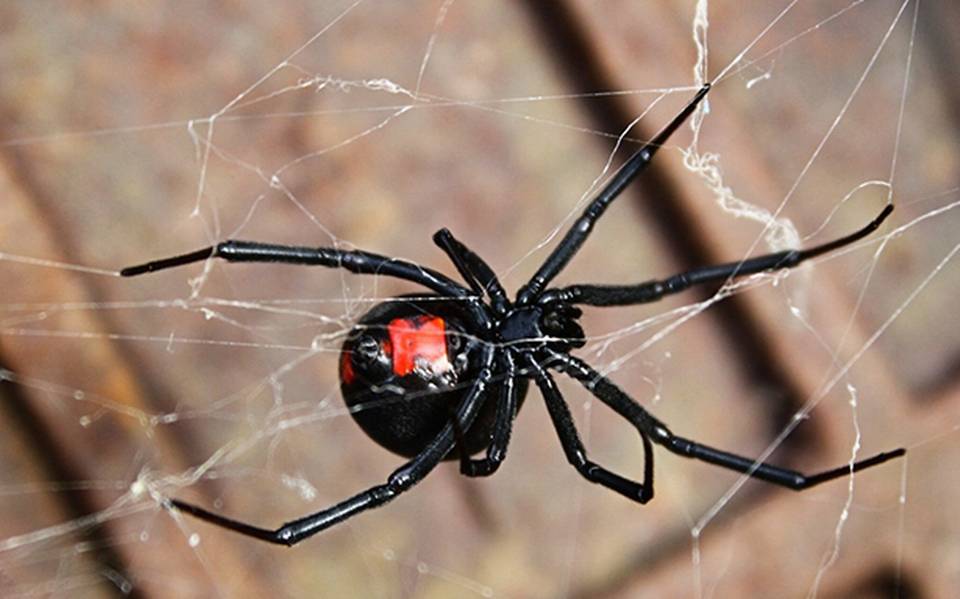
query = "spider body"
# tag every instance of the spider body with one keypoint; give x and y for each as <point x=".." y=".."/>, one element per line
<point x="442" y="376"/>
<point x="406" y="366"/>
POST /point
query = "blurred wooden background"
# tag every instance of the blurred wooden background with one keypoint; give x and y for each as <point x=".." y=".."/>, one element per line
<point x="118" y="392"/>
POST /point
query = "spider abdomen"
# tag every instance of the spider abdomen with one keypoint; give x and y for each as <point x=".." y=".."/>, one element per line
<point x="405" y="368"/>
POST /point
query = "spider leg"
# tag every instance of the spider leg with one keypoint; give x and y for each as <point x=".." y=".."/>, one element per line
<point x="355" y="261"/>
<point x="651" y="291"/>
<point x="402" y="479"/>
<point x="623" y="404"/>
<point x="578" y="233"/>
<point x="473" y="269"/>
<point x="575" y="452"/>
<point x="502" y="425"/>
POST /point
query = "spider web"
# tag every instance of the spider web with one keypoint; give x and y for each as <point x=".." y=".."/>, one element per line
<point x="135" y="133"/>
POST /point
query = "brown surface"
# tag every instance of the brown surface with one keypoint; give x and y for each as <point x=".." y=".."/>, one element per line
<point x="98" y="168"/>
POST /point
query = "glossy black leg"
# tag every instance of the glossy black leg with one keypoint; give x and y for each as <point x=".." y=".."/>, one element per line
<point x="575" y="452"/>
<point x="507" y="405"/>
<point x="623" y="404"/>
<point x="784" y="477"/>
<point x="581" y="229"/>
<point x="399" y="481"/>
<point x="651" y="291"/>
<point x="473" y="269"/>
<point x="355" y="261"/>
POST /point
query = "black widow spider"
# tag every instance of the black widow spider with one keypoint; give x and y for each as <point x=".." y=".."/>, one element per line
<point x="418" y="371"/>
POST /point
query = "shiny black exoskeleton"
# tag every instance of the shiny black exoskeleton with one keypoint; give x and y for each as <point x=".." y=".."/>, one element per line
<point x="402" y="408"/>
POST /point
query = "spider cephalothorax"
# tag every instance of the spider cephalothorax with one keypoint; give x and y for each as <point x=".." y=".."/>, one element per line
<point x="442" y="376"/>
<point x="553" y="325"/>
